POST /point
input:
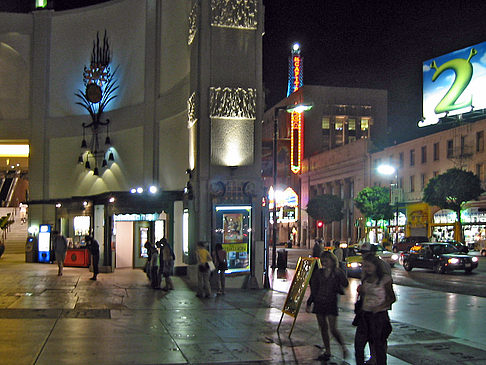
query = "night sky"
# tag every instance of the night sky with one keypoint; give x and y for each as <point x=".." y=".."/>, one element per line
<point x="373" y="44"/>
<point x="361" y="43"/>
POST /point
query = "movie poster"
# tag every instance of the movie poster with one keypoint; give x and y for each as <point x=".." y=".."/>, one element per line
<point x="233" y="228"/>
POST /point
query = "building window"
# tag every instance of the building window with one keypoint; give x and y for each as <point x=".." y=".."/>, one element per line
<point x="480" y="141"/>
<point x="377" y="162"/>
<point x="422" y="181"/>
<point x="325" y="123"/>
<point x="412" y="157"/>
<point x="412" y="183"/>
<point x="338" y="125"/>
<point x="436" y="151"/>
<point x="480" y="171"/>
<point x="450" y="148"/>
<point x="423" y="157"/>
<point x="400" y="159"/>
<point x="400" y="183"/>
<point x="365" y="124"/>
<point x="436" y="173"/>
<point x="463" y="145"/>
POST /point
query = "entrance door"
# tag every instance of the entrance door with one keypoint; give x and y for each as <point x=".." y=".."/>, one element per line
<point x="124" y="244"/>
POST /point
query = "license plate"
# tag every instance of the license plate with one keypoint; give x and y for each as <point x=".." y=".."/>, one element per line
<point x="468" y="265"/>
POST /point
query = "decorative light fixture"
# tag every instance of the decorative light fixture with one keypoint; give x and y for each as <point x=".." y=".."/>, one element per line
<point x="101" y="85"/>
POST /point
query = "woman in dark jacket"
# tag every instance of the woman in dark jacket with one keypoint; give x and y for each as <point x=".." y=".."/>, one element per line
<point x="167" y="258"/>
<point x="326" y="283"/>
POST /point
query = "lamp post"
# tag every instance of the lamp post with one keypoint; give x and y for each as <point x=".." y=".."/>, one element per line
<point x="299" y="108"/>
<point x="390" y="170"/>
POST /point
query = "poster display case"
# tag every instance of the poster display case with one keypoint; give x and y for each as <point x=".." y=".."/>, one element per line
<point x="233" y="231"/>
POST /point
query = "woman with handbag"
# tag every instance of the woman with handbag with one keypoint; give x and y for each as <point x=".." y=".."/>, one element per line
<point x="221" y="263"/>
<point x="203" y="272"/>
<point x="373" y="324"/>
<point x="326" y="283"/>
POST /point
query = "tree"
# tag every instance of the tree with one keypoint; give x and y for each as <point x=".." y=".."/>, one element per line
<point x="374" y="203"/>
<point x="327" y="208"/>
<point x="451" y="190"/>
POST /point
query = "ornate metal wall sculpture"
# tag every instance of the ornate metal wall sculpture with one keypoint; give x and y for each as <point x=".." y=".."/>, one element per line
<point x="232" y="103"/>
<point x="240" y="14"/>
<point x="101" y="85"/>
<point x="193" y="18"/>
<point x="191" y="111"/>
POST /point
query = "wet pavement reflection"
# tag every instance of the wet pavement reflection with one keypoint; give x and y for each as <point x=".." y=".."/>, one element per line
<point x="119" y="319"/>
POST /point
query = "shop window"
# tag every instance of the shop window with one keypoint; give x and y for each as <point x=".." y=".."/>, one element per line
<point x="412" y="183"/>
<point x="436" y="151"/>
<point x="412" y="157"/>
<point x="480" y="141"/>
<point x="423" y="157"/>
<point x="450" y="148"/>
<point x="352" y="124"/>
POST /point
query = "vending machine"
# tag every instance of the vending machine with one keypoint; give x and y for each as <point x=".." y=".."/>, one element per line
<point x="44" y="243"/>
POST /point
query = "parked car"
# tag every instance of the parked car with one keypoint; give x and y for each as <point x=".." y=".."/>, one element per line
<point x="461" y="247"/>
<point x="440" y="257"/>
<point x="408" y="242"/>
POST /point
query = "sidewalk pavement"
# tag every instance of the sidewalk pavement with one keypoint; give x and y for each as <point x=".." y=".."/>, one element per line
<point x="119" y="319"/>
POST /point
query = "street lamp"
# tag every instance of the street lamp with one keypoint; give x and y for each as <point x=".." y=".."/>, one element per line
<point x="299" y="108"/>
<point x="392" y="170"/>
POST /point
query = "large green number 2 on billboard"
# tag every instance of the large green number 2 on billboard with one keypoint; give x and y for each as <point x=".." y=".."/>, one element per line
<point x="464" y="70"/>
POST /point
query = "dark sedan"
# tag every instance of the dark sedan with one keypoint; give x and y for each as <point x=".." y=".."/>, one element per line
<point x="440" y="257"/>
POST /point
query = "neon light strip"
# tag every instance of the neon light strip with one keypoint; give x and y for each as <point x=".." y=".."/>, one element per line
<point x="238" y="207"/>
<point x="296" y="142"/>
<point x="14" y="150"/>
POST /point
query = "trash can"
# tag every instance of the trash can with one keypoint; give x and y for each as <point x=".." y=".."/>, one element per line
<point x="282" y="259"/>
<point x="31" y="249"/>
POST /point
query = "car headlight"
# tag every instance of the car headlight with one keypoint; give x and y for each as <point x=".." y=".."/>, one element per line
<point x="354" y="265"/>
<point x="453" y="261"/>
<point x="394" y="257"/>
<point x="475" y="259"/>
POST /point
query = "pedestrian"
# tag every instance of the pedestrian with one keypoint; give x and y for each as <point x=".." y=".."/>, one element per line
<point x="153" y="266"/>
<point x="384" y="265"/>
<point x="373" y="322"/>
<point x="221" y="263"/>
<point x="316" y="250"/>
<point x="59" y="245"/>
<point x="339" y="253"/>
<point x="203" y="258"/>
<point x="166" y="270"/>
<point x="94" y="249"/>
<point x="326" y="283"/>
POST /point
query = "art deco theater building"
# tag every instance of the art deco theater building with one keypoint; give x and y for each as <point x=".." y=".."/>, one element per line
<point x="141" y="118"/>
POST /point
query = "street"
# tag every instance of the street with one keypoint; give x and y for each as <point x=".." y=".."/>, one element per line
<point x="455" y="282"/>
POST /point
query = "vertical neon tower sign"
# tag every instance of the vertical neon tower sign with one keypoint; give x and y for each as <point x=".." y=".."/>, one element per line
<point x="296" y="75"/>
<point x="296" y="81"/>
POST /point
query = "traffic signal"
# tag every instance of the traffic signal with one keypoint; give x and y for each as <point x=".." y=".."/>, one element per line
<point x="320" y="224"/>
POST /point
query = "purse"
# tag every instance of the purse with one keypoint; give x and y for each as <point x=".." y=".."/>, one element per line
<point x="358" y="310"/>
<point x="211" y="266"/>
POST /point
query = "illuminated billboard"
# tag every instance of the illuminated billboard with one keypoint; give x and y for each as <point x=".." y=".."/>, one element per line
<point x="454" y="84"/>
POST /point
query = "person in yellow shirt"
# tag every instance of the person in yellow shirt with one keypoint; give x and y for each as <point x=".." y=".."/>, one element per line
<point x="203" y="257"/>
